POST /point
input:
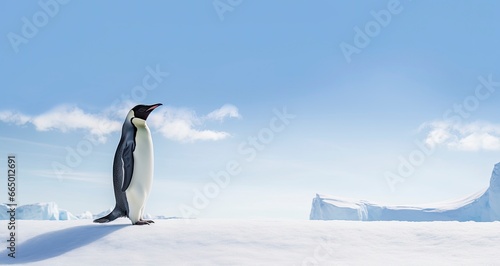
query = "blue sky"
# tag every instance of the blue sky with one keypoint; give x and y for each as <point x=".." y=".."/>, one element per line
<point x="420" y="76"/>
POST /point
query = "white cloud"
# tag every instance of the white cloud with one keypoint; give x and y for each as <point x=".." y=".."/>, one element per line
<point x="69" y="118"/>
<point x="181" y="125"/>
<point x="466" y="137"/>
<point x="65" y="118"/>
<point x="119" y="110"/>
<point x="226" y="110"/>
<point x="14" y="117"/>
<point x="178" y="124"/>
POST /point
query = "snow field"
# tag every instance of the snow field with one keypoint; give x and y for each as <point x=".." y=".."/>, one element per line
<point x="256" y="242"/>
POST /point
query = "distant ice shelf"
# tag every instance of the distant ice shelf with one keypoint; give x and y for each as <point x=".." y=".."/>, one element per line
<point x="483" y="206"/>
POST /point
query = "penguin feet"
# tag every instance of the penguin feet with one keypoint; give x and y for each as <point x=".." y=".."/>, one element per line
<point x="144" y="222"/>
<point x="101" y="220"/>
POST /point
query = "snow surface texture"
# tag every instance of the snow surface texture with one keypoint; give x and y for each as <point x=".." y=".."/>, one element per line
<point x="480" y="207"/>
<point x="251" y="242"/>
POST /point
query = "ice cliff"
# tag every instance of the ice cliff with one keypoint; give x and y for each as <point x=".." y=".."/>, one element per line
<point x="483" y="206"/>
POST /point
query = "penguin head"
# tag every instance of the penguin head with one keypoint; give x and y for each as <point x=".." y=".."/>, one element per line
<point x="143" y="111"/>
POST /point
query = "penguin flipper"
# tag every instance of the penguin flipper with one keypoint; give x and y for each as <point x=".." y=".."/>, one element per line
<point x="116" y="213"/>
<point x="128" y="164"/>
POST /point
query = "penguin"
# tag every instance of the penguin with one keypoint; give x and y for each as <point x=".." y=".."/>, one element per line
<point x="133" y="167"/>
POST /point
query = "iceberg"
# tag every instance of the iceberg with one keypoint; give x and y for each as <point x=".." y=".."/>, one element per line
<point x="483" y="206"/>
<point x="37" y="211"/>
<point x="85" y="215"/>
<point x="50" y="211"/>
<point x="66" y="215"/>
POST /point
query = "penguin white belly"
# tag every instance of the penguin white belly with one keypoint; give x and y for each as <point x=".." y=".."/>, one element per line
<point x="142" y="177"/>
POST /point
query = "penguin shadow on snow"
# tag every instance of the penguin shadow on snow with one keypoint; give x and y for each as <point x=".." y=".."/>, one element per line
<point x="56" y="243"/>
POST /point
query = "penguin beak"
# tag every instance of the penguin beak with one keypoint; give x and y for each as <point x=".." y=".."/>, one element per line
<point x="154" y="106"/>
